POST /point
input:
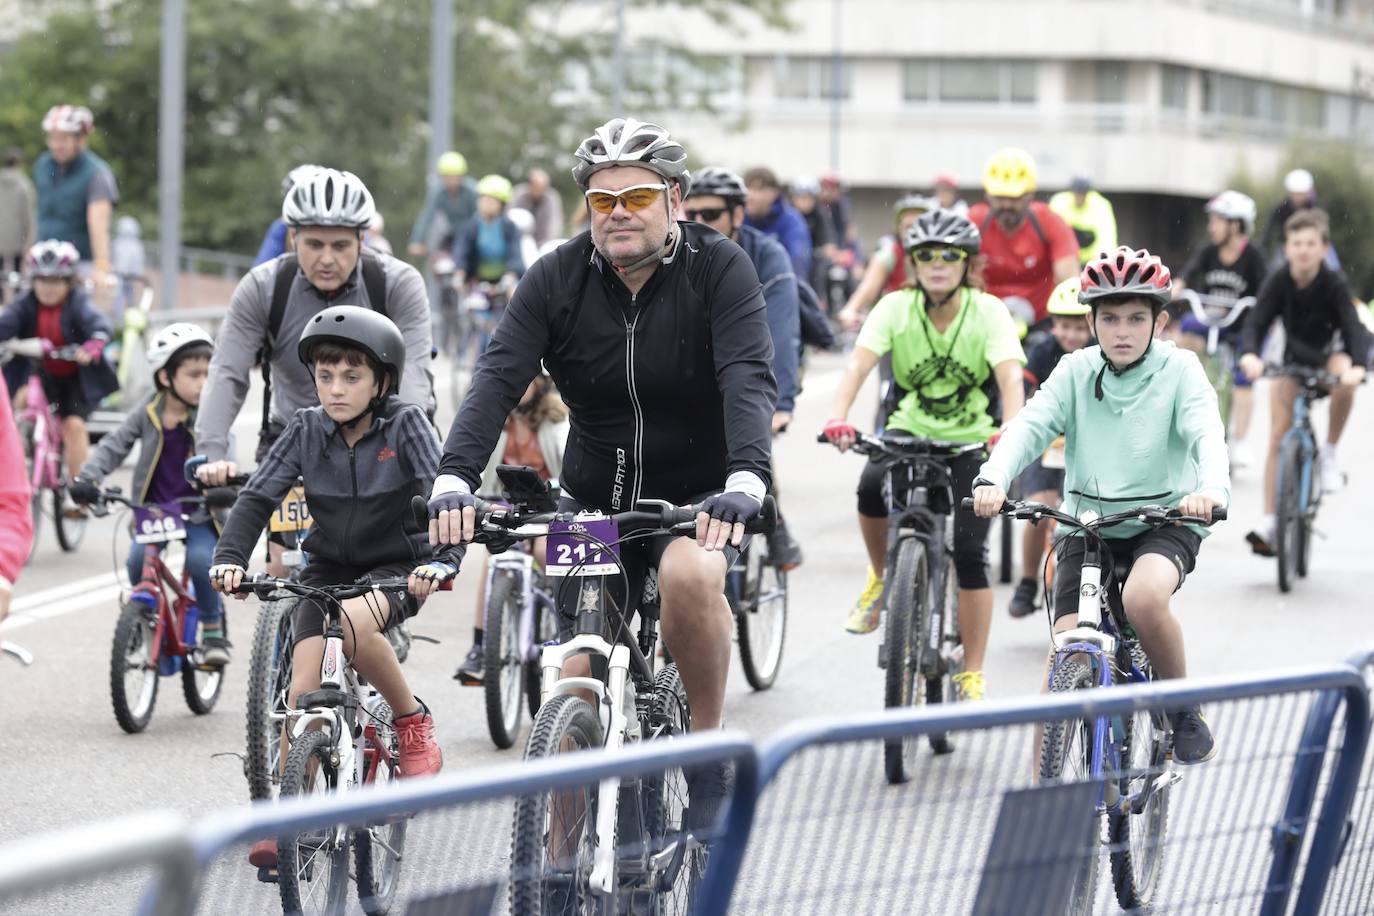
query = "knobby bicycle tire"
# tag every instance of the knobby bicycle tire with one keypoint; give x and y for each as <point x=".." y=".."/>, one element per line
<point x="665" y="803"/>
<point x="133" y="637"/>
<point x="200" y="687"/>
<point x="760" y="645"/>
<point x="1066" y="747"/>
<point x="1136" y="840"/>
<point x="903" y="646"/>
<point x="269" y="676"/>
<point x="502" y="669"/>
<point x="545" y="882"/>
<point x="378" y="848"/>
<point x="309" y="854"/>
<point x="1288" y="505"/>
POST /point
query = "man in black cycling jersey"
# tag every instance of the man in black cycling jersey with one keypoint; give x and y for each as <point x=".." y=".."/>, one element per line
<point x="656" y="334"/>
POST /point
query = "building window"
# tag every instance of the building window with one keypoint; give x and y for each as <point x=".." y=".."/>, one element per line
<point x="1109" y="82"/>
<point x="1174" y="87"/>
<point x="970" y="81"/>
<point x="1263" y="102"/>
<point x="812" y="78"/>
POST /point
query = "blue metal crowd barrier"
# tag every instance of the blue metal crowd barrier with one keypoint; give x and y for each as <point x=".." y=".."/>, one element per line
<point x="1267" y="827"/>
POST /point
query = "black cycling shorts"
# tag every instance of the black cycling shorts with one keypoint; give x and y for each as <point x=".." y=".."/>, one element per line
<point x="1037" y="478"/>
<point x="1178" y="544"/>
<point x="65" y="396"/>
<point x="638" y="555"/>
<point x="307" y="618"/>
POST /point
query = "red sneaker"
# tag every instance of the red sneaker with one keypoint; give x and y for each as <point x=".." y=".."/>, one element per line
<point x="264" y="853"/>
<point x="420" y="753"/>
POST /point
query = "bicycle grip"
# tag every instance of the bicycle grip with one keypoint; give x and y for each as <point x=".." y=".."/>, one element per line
<point x="220" y="498"/>
<point x="966" y="503"/>
<point x="1218" y="513"/>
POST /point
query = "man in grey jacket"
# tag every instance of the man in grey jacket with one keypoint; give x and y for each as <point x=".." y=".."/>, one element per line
<point x="329" y="214"/>
<point x="18" y="214"/>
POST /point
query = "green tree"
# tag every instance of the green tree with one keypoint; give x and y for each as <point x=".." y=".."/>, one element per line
<point x="339" y="82"/>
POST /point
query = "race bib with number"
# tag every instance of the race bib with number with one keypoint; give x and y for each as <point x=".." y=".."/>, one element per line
<point x="158" y="524"/>
<point x="293" y="514"/>
<point x="570" y="554"/>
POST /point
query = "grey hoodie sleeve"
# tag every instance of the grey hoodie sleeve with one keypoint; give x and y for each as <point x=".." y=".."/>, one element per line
<point x="113" y="448"/>
<point x="240" y="338"/>
<point x="407" y="304"/>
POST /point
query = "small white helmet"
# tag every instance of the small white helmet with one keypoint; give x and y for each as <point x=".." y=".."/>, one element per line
<point x="171" y="339"/>
<point x="69" y="119"/>
<point x="1234" y="205"/>
<point x="328" y="197"/>
<point x="298" y="174"/>
<point x="1299" y="181"/>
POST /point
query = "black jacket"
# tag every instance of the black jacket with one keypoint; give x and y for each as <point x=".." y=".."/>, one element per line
<point x="669" y="391"/>
<point x="81" y="321"/>
<point x="1310" y="318"/>
<point x="359" y="497"/>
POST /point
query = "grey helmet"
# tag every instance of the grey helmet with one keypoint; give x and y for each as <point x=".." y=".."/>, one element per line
<point x="943" y="227"/>
<point x="625" y="141"/>
<point x="719" y="182"/>
<point x="328" y="197"/>
<point x="364" y="328"/>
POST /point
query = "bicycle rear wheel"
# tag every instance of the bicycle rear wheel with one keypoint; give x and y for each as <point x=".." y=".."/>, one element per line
<point x="70" y="531"/>
<point x="1288" y="502"/>
<point x="133" y="666"/>
<point x="200" y="686"/>
<point x="1066" y="756"/>
<point x="761" y="616"/>
<point x="554" y="834"/>
<point x="269" y="683"/>
<point x="503" y="668"/>
<point x="378" y="848"/>
<point x="904" y="645"/>
<point x="312" y="868"/>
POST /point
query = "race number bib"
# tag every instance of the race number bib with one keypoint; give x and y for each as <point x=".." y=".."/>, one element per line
<point x="158" y="524"/>
<point x="293" y="514"/>
<point x="570" y="554"/>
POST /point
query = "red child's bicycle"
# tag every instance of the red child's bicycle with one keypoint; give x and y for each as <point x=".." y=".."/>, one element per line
<point x="158" y="636"/>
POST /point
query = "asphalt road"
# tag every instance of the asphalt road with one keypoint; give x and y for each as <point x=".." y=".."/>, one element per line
<point x="68" y="762"/>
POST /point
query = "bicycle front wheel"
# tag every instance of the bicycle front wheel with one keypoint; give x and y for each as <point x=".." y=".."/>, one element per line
<point x="377" y="849"/>
<point x="133" y="666"/>
<point x="1135" y="828"/>
<point x="940" y="670"/>
<point x="554" y="835"/>
<point x="503" y="667"/>
<point x="269" y="683"/>
<point x="674" y="885"/>
<point x="1288" y="501"/>
<point x="904" y="645"/>
<point x="761" y="616"/>
<point x="312" y="868"/>
<point x="1066" y="750"/>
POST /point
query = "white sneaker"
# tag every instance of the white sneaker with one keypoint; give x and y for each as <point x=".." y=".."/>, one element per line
<point x="1241" y="456"/>
<point x="1333" y="478"/>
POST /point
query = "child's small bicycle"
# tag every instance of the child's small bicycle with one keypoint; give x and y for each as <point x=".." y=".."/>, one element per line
<point x="157" y="637"/>
<point x="40" y="431"/>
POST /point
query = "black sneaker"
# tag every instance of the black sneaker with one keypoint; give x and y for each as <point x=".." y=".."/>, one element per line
<point x="470" y="671"/>
<point x="709" y="787"/>
<point x="783" y="550"/>
<point x="1023" y="599"/>
<point x="1192" y="738"/>
<point x="216" y="651"/>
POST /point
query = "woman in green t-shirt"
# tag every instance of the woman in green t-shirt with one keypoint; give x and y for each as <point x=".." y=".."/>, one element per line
<point x="947" y="342"/>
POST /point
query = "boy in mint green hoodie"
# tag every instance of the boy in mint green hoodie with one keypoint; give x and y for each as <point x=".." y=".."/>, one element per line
<point x="1142" y="427"/>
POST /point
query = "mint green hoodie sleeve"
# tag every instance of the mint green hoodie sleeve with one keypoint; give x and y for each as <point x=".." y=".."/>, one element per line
<point x="1045" y="416"/>
<point x="1198" y="421"/>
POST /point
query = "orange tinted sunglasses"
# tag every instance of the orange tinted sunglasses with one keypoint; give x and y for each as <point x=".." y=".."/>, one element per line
<point x="635" y="197"/>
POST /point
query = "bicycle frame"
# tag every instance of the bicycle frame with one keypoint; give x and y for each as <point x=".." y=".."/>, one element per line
<point x="533" y="600"/>
<point x="1301" y="431"/>
<point x="171" y="615"/>
<point x="47" y="436"/>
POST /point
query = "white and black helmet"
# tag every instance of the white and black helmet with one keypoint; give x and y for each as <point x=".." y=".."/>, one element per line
<point x="329" y="197"/>
<point x="943" y="227"/>
<point x="714" y="181"/>
<point x="297" y="175"/>
<point x="625" y="141"/>
<point x="171" y="340"/>
<point x="1234" y="205"/>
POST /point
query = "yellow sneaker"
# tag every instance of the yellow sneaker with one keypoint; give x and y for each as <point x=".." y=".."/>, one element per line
<point x="868" y="609"/>
<point x="970" y="685"/>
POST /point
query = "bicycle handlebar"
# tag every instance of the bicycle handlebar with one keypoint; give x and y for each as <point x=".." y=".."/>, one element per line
<point x="209" y="497"/>
<point x="194" y="463"/>
<point x="1154" y="516"/>
<point x="1200" y="302"/>
<point x="498" y="523"/>
<point x="908" y="446"/>
<point x="263" y="585"/>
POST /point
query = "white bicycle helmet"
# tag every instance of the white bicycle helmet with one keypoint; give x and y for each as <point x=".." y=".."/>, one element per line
<point x="69" y="119"/>
<point x="1299" y="181"/>
<point x="625" y="141"/>
<point x="172" y="339"/>
<point x="53" y="258"/>
<point x="298" y="174"/>
<point x="329" y="197"/>
<point x="1234" y="205"/>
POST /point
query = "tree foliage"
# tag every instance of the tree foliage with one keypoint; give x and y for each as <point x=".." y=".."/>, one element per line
<point x="272" y="84"/>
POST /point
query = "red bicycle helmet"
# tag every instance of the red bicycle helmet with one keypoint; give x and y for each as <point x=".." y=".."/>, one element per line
<point x="1125" y="272"/>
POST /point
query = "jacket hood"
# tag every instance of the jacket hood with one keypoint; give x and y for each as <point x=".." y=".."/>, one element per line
<point x="1120" y="392"/>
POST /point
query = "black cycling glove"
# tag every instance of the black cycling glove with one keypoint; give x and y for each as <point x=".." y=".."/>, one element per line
<point x="732" y="507"/>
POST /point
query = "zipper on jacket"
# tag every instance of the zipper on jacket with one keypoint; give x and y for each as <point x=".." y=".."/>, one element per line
<point x="348" y="528"/>
<point x="638" y="438"/>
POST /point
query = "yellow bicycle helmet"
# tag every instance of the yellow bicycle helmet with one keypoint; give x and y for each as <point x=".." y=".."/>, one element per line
<point x="452" y="163"/>
<point x="496" y="186"/>
<point x="1010" y="172"/>
<point x="1064" y="299"/>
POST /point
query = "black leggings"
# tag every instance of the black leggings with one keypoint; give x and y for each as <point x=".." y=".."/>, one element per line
<point x="970" y="531"/>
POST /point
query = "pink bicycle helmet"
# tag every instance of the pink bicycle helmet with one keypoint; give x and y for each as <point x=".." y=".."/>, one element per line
<point x="1125" y="272"/>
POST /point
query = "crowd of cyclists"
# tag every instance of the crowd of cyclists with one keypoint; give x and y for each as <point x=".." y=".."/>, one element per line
<point x="655" y="355"/>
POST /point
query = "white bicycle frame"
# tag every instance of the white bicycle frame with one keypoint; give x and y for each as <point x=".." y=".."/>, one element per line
<point x="1090" y="598"/>
<point x="519" y="563"/>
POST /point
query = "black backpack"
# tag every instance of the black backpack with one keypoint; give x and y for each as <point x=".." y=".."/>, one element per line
<point x="374" y="281"/>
